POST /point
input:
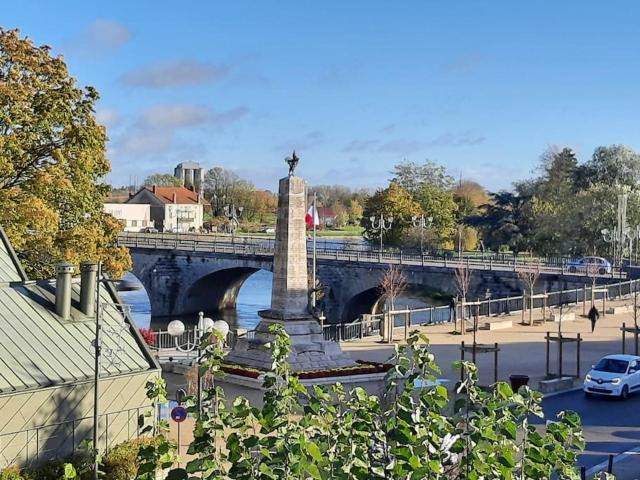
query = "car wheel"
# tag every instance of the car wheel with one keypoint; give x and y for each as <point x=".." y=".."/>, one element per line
<point x="625" y="393"/>
<point x="572" y="269"/>
<point x="602" y="271"/>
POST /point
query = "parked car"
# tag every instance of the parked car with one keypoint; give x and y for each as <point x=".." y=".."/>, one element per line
<point x="614" y="376"/>
<point x="601" y="265"/>
<point x="148" y="230"/>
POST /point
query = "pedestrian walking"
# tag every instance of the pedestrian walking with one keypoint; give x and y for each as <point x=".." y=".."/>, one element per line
<point x="593" y="316"/>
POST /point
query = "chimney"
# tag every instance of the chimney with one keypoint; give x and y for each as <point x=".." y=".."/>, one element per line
<point x="63" y="289"/>
<point x="153" y="189"/>
<point x="174" y="196"/>
<point x="197" y="198"/>
<point x="88" y="279"/>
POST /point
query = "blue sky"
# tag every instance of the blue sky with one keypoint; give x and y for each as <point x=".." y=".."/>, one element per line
<point x="355" y="86"/>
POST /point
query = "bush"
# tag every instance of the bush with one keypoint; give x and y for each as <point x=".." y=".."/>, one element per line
<point x="11" y="473"/>
<point x="121" y="463"/>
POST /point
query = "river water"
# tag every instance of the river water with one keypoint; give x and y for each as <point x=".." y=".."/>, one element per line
<point x="254" y="295"/>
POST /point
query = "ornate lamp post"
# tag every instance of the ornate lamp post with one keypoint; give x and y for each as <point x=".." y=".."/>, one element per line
<point x="616" y="237"/>
<point x="233" y="214"/>
<point x="382" y="224"/>
<point x="423" y="223"/>
<point x="176" y="329"/>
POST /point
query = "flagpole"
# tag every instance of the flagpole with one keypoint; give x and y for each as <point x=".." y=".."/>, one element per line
<point x="313" y="219"/>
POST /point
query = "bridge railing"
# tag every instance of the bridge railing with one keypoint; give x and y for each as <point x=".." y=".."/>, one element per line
<point x="265" y="247"/>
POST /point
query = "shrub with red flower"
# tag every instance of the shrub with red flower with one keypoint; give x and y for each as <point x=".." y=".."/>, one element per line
<point x="148" y="335"/>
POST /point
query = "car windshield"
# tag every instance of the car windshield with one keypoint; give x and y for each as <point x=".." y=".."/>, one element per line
<point x="612" y="365"/>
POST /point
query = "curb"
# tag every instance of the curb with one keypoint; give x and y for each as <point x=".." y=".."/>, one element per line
<point x="602" y="466"/>
<point x="562" y="392"/>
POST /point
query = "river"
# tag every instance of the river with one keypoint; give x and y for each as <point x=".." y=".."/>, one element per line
<point x="255" y="295"/>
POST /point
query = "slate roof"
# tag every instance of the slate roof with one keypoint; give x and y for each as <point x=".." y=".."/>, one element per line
<point x="39" y="349"/>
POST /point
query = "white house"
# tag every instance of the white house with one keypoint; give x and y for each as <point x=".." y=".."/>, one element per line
<point x="135" y="216"/>
<point x="172" y="209"/>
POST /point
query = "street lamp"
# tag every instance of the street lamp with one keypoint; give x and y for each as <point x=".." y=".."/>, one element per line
<point x="176" y="329"/>
<point x="382" y="225"/>
<point x="617" y="237"/>
<point x="423" y="223"/>
<point x="122" y="285"/>
<point x="233" y="214"/>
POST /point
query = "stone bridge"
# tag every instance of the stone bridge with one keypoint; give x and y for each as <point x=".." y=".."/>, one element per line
<point x="188" y="273"/>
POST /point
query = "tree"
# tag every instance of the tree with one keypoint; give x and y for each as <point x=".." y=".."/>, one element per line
<point x="224" y="187"/>
<point x="441" y="207"/>
<point x="469" y="196"/>
<point x="411" y="176"/>
<point x="409" y="432"/>
<point x="52" y="163"/>
<point x="393" y="201"/>
<point x="392" y="285"/>
<point x="462" y="277"/>
<point x="612" y="165"/>
<point x="355" y="212"/>
<point x="529" y="277"/>
<point x="163" y="180"/>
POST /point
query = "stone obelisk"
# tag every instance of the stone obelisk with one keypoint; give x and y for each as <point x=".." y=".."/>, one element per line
<point x="290" y="293"/>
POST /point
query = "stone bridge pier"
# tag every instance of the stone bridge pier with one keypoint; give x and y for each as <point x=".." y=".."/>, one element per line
<point x="185" y="282"/>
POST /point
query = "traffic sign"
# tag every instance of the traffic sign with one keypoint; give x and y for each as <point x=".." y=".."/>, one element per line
<point x="178" y="414"/>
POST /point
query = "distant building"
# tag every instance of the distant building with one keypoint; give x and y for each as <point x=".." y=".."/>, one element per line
<point x="191" y="174"/>
<point x="136" y="217"/>
<point x="327" y="217"/>
<point x="172" y="209"/>
<point x="47" y="364"/>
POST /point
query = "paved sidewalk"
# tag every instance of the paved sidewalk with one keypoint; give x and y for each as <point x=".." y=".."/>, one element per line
<point x="522" y="347"/>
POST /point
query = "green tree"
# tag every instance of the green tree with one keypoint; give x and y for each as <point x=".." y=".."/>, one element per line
<point x="355" y="212"/>
<point x="412" y="176"/>
<point x="615" y="164"/>
<point x="441" y="207"/>
<point x="325" y="432"/>
<point x="505" y="220"/>
<point x="163" y="180"/>
<point x="393" y="201"/>
<point x="52" y="163"/>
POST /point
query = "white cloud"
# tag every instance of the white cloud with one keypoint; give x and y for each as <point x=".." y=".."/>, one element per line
<point x="99" y="38"/>
<point x="175" y="73"/>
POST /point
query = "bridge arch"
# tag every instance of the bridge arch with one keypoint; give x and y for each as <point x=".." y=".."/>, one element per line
<point x="217" y="290"/>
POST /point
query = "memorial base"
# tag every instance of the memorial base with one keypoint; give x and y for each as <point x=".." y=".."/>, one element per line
<point x="252" y="389"/>
<point x="309" y="350"/>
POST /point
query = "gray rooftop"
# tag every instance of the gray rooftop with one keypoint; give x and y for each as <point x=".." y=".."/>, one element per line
<point x="39" y="349"/>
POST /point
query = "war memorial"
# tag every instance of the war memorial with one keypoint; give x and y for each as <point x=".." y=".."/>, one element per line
<point x="290" y="307"/>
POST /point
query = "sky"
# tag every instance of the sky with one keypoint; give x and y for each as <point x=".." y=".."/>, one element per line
<point x="355" y="86"/>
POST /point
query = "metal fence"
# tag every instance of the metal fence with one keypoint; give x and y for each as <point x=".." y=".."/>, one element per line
<point x="327" y="250"/>
<point x="370" y="325"/>
<point x="32" y="446"/>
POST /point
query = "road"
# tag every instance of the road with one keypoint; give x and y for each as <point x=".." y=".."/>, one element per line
<point x="611" y="426"/>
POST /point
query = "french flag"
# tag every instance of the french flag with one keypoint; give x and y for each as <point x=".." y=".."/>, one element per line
<point x="311" y="218"/>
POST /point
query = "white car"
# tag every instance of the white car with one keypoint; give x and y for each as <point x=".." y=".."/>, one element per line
<point x="613" y="375"/>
